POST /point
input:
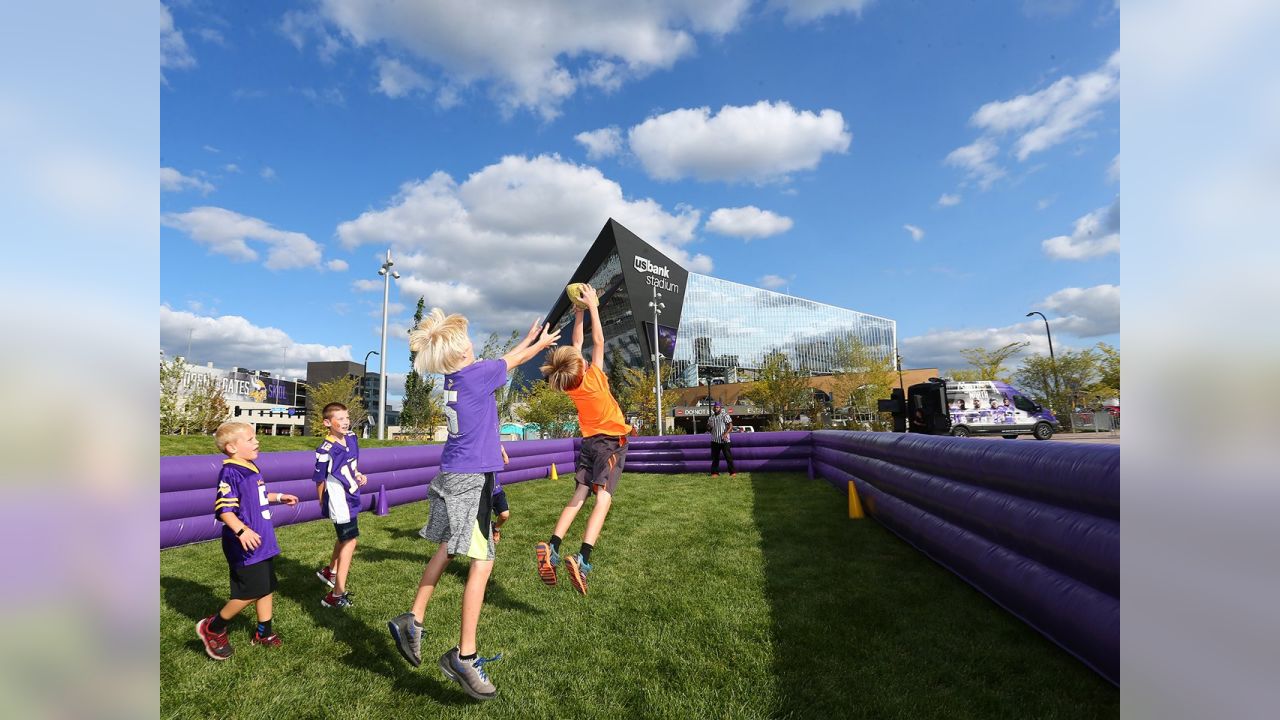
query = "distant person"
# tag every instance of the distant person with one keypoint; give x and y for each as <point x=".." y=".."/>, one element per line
<point x="603" y="451"/>
<point x="501" y="508"/>
<point x="248" y="540"/>
<point x="338" y="481"/>
<point x="461" y="494"/>
<point x="720" y="425"/>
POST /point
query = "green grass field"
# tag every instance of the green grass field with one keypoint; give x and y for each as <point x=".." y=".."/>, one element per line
<point x="203" y="444"/>
<point x="746" y="597"/>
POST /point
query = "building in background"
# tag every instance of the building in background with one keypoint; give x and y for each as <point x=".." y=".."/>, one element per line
<point x="319" y="372"/>
<point x="712" y="331"/>
<point x="274" y="406"/>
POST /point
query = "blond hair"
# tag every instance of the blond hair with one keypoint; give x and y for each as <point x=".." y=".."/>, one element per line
<point x="439" y="343"/>
<point x="228" y="431"/>
<point x="564" y="368"/>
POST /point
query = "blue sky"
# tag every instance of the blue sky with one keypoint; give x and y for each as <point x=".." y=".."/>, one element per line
<point x="951" y="166"/>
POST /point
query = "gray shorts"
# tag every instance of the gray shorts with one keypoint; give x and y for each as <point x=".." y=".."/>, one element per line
<point x="460" y="514"/>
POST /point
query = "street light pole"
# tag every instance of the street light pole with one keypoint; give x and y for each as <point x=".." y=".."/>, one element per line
<point x="657" y="354"/>
<point x="1053" y="361"/>
<point x="387" y="273"/>
<point x="363" y="390"/>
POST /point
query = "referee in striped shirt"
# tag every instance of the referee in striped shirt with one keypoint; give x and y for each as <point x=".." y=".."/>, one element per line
<point x="721" y="426"/>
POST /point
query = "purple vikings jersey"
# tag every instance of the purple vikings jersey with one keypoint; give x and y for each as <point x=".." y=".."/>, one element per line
<point x="336" y="471"/>
<point x="242" y="491"/>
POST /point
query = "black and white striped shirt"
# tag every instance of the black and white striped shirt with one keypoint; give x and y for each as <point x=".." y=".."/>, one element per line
<point x="719" y="424"/>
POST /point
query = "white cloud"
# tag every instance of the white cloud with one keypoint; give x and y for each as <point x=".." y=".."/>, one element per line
<point x="602" y="143"/>
<point x="395" y="79"/>
<point x="231" y="341"/>
<point x="748" y="222"/>
<point x="212" y="149"/>
<point x="538" y="214"/>
<point x="366" y="285"/>
<point x="773" y="282"/>
<point x="231" y="168"/>
<point x="211" y="35"/>
<point x="1052" y="115"/>
<point x="1095" y="234"/>
<point x="1083" y="313"/>
<point x="976" y="159"/>
<point x="802" y="11"/>
<point x="758" y="143"/>
<point x="948" y="200"/>
<point x="337" y="265"/>
<point x="174" y="52"/>
<point x="534" y="55"/>
<point x="303" y="27"/>
<point x="916" y="233"/>
<point x="267" y="173"/>
<point x="228" y="233"/>
<point x="172" y="180"/>
<point x="1113" y="170"/>
<point x="1087" y="312"/>
<point x="1045" y="202"/>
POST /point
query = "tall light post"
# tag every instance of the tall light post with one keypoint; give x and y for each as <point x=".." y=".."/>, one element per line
<point x="657" y="353"/>
<point x="1053" y="361"/>
<point x="387" y="273"/>
<point x="363" y="392"/>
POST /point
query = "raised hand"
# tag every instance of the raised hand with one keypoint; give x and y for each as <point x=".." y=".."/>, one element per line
<point x="590" y="297"/>
<point x="548" y="338"/>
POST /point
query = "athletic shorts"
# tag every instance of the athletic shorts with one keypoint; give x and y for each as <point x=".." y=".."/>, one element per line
<point x="600" y="462"/>
<point x="250" y="582"/>
<point x="500" y="503"/>
<point x="348" y="530"/>
<point x="459" y="518"/>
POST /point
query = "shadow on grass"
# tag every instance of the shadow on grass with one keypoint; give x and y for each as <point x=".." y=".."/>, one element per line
<point x="370" y="647"/>
<point x="193" y="600"/>
<point x="863" y="625"/>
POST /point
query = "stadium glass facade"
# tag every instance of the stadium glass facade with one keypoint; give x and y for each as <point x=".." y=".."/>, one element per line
<point x="728" y="329"/>
<point x="710" y="330"/>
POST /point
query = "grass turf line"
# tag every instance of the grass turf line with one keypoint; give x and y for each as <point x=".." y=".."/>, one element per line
<point x="746" y="597"/>
<point x="203" y="444"/>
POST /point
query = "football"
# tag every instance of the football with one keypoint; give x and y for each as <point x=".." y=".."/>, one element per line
<point x="575" y="292"/>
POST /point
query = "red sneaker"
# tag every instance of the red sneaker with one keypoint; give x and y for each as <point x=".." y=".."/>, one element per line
<point x="327" y="576"/>
<point x="715" y="474"/>
<point x="272" y="640"/>
<point x="217" y="646"/>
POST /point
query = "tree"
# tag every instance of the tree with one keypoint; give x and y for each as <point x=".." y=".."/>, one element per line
<point x="779" y="389"/>
<point x="172" y="421"/>
<point x="344" y="390"/>
<point x="551" y="410"/>
<point x="1078" y="371"/>
<point x="963" y="374"/>
<point x="863" y="377"/>
<point x="990" y="364"/>
<point x="616" y="371"/>
<point x="421" y="407"/>
<point x="638" y="398"/>
<point x="1108" y="367"/>
<point x="206" y="407"/>
<point x="196" y="407"/>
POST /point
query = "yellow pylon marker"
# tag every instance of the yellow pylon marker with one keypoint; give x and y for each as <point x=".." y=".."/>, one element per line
<point x="554" y="475"/>
<point x="855" y="506"/>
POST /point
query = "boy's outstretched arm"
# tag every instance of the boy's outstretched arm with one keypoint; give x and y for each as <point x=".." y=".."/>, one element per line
<point x="537" y="340"/>
<point x="597" y="332"/>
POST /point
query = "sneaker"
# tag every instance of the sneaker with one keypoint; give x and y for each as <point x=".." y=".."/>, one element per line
<point x="272" y="640"/>
<point x="217" y="646"/>
<point x="408" y="638"/>
<point x="733" y="474"/>
<point x="470" y="675"/>
<point x="715" y="474"/>
<point x="578" y="569"/>
<point x="336" y="601"/>
<point x="548" y="559"/>
<point x="327" y="576"/>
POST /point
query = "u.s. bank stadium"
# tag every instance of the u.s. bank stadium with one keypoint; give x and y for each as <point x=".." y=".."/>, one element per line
<point x="714" y="333"/>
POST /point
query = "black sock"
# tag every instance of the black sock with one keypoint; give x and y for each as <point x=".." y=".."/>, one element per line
<point x="586" y="553"/>
<point x="217" y="625"/>
<point x="264" y="628"/>
<point x="466" y="658"/>
<point x="555" y="543"/>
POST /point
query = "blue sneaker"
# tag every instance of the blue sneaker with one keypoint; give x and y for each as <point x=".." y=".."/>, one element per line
<point x="548" y="559"/>
<point x="408" y="637"/>
<point x="578" y="569"/>
<point x="470" y="675"/>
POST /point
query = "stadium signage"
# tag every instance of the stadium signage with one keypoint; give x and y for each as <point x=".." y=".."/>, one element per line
<point x="645" y="266"/>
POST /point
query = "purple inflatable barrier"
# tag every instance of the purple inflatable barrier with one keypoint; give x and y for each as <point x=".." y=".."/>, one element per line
<point x="1078" y="618"/>
<point x="1076" y="476"/>
<point x="670" y="467"/>
<point x="1083" y="546"/>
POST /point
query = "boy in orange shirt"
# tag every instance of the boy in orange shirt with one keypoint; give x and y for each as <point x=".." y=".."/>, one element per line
<point x="604" y="444"/>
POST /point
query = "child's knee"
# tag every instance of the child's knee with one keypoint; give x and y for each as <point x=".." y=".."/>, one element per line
<point x="504" y="515"/>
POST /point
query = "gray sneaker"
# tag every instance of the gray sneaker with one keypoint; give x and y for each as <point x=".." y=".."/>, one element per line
<point x="470" y="675"/>
<point x="408" y="637"/>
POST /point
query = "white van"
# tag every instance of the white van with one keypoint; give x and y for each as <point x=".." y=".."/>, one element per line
<point x="991" y="407"/>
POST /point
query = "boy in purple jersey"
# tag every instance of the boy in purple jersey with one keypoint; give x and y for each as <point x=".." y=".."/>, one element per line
<point x="460" y="495"/>
<point x="248" y="540"/>
<point x="338" y="482"/>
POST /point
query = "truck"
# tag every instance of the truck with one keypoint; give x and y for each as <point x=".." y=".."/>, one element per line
<point x="992" y="407"/>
